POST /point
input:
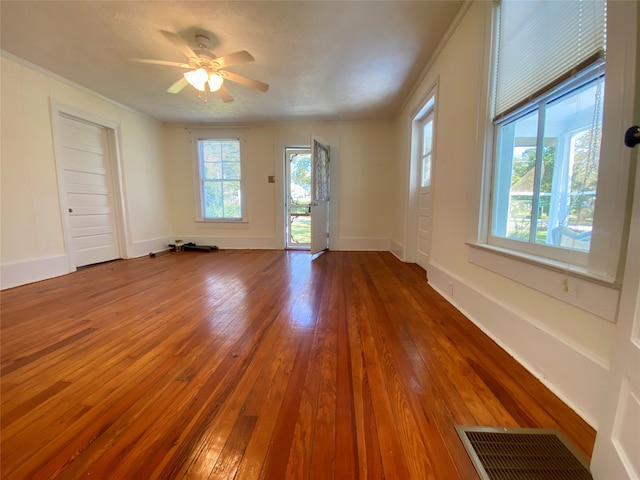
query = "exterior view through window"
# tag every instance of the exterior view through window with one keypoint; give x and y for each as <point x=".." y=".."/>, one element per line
<point x="220" y="178"/>
<point x="427" y="147"/>
<point x="546" y="180"/>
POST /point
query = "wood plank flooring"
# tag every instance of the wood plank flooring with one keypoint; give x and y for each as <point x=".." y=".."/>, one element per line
<point x="253" y="364"/>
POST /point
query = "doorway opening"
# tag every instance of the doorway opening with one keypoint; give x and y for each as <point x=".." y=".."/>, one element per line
<point x="298" y="197"/>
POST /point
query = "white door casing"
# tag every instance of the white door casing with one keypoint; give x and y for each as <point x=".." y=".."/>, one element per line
<point x="320" y="195"/>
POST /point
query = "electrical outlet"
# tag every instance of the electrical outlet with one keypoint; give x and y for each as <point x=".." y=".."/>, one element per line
<point x="569" y="288"/>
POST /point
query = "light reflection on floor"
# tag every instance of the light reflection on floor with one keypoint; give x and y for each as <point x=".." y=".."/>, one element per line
<point x="233" y="300"/>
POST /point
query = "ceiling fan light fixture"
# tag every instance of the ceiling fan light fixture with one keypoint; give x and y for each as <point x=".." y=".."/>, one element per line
<point x="197" y="78"/>
<point x="215" y="82"/>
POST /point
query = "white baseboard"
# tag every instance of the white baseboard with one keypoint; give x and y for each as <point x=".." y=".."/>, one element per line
<point x="33" y="270"/>
<point x="145" y="247"/>
<point x="232" y="243"/>
<point x="397" y="249"/>
<point x="271" y="243"/>
<point x="576" y="377"/>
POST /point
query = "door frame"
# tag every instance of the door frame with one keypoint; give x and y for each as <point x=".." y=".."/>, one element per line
<point x="287" y="196"/>
<point x="283" y="141"/>
<point x="115" y="171"/>
<point x="415" y="172"/>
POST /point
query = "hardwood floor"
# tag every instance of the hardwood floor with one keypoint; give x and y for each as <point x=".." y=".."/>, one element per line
<point x="253" y="364"/>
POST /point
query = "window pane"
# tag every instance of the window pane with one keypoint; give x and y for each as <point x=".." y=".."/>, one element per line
<point x="212" y="192"/>
<point x="212" y="171"/>
<point x="230" y="150"/>
<point x="426" y="171"/>
<point x="572" y="154"/>
<point x="231" y="171"/>
<point x="232" y="200"/>
<point x="515" y="178"/>
<point x="211" y="151"/>
<point x="427" y="137"/>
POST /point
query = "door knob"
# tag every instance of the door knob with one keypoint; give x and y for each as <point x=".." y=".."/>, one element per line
<point x="632" y="136"/>
<point x="71" y="210"/>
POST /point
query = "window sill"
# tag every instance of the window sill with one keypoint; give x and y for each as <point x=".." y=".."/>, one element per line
<point x="574" y="285"/>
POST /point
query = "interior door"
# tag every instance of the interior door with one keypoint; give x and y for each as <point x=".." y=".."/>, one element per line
<point x="423" y="243"/>
<point x="88" y="190"/>
<point x="617" y="449"/>
<point x="320" y="194"/>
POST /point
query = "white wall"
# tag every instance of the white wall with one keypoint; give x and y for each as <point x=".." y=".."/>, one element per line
<point x="361" y="188"/>
<point x="564" y="346"/>
<point x="32" y="243"/>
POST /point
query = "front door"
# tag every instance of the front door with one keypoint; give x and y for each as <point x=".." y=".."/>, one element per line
<point x="320" y="193"/>
<point x="88" y="187"/>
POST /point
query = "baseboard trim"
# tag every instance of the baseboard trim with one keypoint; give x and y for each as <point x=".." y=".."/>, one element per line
<point x="574" y="375"/>
<point x="145" y="247"/>
<point x="397" y="249"/>
<point x="19" y="273"/>
<point x="232" y="243"/>
<point x="271" y="243"/>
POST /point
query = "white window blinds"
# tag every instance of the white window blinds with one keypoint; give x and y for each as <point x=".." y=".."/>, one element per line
<point x="542" y="43"/>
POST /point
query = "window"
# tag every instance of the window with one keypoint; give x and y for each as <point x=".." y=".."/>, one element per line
<point x="219" y="177"/>
<point x="554" y="195"/>
<point x="546" y="172"/>
<point x="548" y="105"/>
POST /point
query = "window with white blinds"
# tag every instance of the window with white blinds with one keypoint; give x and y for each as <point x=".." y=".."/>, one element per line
<point x="541" y="43"/>
<point x="553" y="206"/>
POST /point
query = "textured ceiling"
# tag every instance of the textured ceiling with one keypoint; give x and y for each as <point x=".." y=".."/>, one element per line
<point x="323" y="60"/>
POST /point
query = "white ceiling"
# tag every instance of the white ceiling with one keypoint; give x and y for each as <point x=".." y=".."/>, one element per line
<point x="323" y="60"/>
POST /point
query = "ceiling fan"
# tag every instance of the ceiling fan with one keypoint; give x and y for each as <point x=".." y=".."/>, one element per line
<point x="205" y="69"/>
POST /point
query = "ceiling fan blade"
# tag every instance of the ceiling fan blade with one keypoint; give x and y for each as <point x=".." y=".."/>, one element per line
<point x="248" y="82"/>
<point x="234" y="59"/>
<point x="179" y="42"/>
<point x="178" y="86"/>
<point x="224" y="94"/>
<point x="160" y="62"/>
<point x="203" y="51"/>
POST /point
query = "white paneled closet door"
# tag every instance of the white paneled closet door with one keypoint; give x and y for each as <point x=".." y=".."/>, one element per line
<point x="88" y="185"/>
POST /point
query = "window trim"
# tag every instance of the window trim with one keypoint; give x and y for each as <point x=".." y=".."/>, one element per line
<point x="548" y="276"/>
<point x="196" y="137"/>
